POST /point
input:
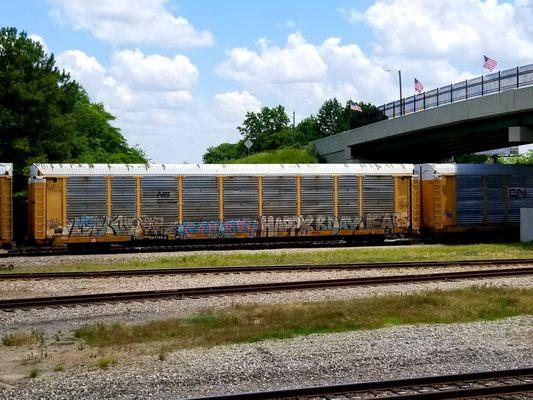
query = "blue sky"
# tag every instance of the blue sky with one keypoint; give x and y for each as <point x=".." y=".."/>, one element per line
<point x="180" y="74"/>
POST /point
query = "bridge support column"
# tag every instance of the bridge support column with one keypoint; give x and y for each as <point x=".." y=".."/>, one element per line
<point x="520" y="134"/>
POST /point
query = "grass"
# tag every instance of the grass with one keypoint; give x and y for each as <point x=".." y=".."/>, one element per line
<point x="258" y="322"/>
<point x="106" y="362"/>
<point x="23" y="338"/>
<point x="34" y="373"/>
<point x="438" y="252"/>
<point x="281" y="156"/>
<point x="59" y="368"/>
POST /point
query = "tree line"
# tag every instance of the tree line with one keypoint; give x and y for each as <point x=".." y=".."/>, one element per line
<point x="270" y="129"/>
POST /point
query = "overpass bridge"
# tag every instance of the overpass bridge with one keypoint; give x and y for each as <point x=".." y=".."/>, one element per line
<point x="483" y="113"/>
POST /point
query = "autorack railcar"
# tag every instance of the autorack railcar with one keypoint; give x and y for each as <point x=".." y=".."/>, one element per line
<point x="6" y="205"/>
<point x="113" y="203"/>
<point x="474" y="197"/>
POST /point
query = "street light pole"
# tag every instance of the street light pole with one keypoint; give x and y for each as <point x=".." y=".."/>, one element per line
<point x="400" y="84"/>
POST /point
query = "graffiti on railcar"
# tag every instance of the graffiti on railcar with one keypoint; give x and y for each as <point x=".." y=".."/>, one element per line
<point x="118" y="225"/>
<point x="148" y="227"/>
<point x="229" y="229"/>
<point x="310" y="225"/>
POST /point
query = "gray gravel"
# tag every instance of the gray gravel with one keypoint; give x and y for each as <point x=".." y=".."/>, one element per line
<point x="51" y="320"/>
<point x="51" y="287"/>
<point x="389" y="353"/>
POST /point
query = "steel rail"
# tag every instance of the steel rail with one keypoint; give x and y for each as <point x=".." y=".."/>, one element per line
<point x="11" y="304"/>
<point x="197" y="246"/>
<point x="257" y="268"/>
<point x="492" y="383"/>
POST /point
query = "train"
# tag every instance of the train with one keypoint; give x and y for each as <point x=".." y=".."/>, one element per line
<point x="123" y="204"/>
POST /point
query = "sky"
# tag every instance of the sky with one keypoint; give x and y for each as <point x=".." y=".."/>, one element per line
<point x="180" y="75"/>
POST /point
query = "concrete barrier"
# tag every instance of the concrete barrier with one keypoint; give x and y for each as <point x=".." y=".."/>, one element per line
<point x="526" y="224"/>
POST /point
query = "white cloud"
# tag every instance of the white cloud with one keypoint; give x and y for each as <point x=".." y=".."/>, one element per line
<point x="352" y="15"/>
<point x="289" y="24"/>
<point x="458" y="30"/>
<point x="235" y="104"/>
<point x="154" y="72"/>
<point x="301" y="75"/>
<point x="94" y="78"/>
<point x="124" y="21"/>
<point x="298" y="61"/>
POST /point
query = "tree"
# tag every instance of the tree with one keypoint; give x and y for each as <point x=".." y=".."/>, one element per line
<point x="307" y="130"/>
<point x="331" y="118"/>
<point x="269" y="129"/>
<point x="369" y="115"/>
<point x="45" y="116"/>
<point x="261" y="127"/>
<point x="525" y="158"/>
<point x="224" y="152"/>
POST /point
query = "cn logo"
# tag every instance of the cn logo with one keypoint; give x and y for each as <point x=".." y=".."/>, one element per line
<point x="519" y="193"/>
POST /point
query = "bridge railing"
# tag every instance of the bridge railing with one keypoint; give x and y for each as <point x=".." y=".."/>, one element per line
<point x="480" y="86"/>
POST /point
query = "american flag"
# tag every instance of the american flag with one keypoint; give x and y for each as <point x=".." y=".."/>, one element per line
<point x="355" y="107"/>
<point x="489" y="63"/>
<point x="419" y="87"/>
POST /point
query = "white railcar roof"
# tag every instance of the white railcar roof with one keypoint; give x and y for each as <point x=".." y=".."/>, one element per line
<point x="430" y="170"/>
<point x="59" y="170"/>
<point x="6" y="169"/>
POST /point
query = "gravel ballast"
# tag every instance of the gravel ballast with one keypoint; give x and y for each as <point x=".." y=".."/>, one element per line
<point x="395" y="352"/>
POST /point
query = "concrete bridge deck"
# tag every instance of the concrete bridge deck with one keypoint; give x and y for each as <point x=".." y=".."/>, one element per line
<point x="482" y="123"/>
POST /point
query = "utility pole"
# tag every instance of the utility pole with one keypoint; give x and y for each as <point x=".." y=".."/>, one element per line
<point x="293" y="120"/>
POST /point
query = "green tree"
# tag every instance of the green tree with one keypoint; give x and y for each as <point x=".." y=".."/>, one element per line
<point x="525" y="158"/>
<point x="45" y="116"/>
<point x="331" y="118"/>
<point x="269" y="130"/>
<point x="261" y="127"/>
<point x="369" y="115"/>
<point x="224" y="152"/>
<point x="307" y="130"/>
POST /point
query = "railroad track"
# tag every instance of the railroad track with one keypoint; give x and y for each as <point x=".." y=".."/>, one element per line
<point x="12" y="304"/>
<point x="197" y="246"/>
<point x="515" y="384"/>
<point x="256" y="268"/>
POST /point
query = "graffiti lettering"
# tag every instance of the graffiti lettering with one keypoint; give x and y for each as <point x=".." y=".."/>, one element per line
<point x="311" y="225"/>
<point x="268" y="226"/>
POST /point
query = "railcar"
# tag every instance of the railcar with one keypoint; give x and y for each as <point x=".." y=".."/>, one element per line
<point x="458" y="198"/>
<point x="121" y="203"/>
<point x="6" y="205"/>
